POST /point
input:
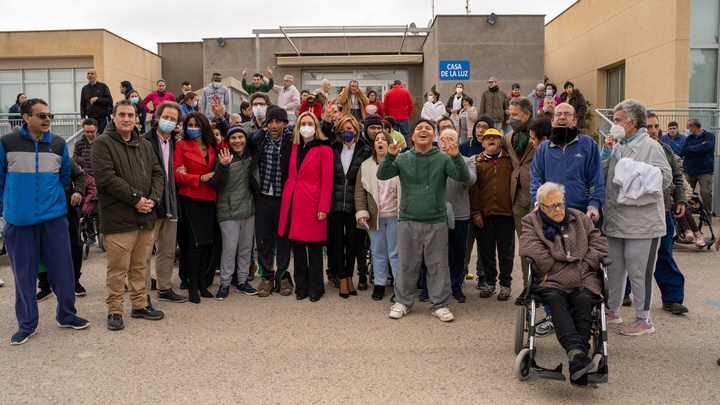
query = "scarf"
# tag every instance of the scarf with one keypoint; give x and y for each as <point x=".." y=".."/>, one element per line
<point x="551" y="228"/>
<point x="494" y="89"/>
<point x="563" y="136"/>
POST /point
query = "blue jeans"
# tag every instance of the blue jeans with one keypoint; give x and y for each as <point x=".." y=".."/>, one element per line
<point x="403" y="126"/>
<point x="384" y="247"/>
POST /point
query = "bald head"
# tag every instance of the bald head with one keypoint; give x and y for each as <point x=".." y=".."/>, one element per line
<point x="447" y="137"/>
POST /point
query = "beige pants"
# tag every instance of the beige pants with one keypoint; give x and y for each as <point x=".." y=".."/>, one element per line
<point x="164" y="238"/>
<point x="126" y="257"/>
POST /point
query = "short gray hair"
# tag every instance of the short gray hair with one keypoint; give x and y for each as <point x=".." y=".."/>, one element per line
<point x="633" y="109"/>
<point x="548" y="188"/>
<point x="324" y="82"/>
<point x="233" y="117"/>
<point x="540" y="86"/>
<point x="524" y="104"/>
<point x="694" y="122"/>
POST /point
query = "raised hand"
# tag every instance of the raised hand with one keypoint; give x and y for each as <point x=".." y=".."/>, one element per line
<point x="269" y="73"/>
<point x="393" y="149"/>
<point x="244" y="73"/>
<point x="225" y="157"/>
<point x="217" y="107"/>
<point x="451" y="148"/>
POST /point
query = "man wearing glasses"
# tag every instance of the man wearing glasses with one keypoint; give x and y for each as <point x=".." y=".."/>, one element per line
<point x="259" y="102"/>
<point x="573" y="160"/>
<point x="34" y="168"/>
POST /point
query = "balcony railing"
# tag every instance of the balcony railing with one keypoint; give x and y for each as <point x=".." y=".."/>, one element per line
<point x="64" y="124"/>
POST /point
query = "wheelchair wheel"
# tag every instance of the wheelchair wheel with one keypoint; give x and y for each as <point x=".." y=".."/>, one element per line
<point x="522" y="365"/>
<point x="520" y="315"/>
<point x="86" y="250"/>
<point x="101" y="241"/>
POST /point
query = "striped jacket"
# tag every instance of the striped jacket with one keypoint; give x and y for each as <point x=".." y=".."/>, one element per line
<point x="32" y="177"/>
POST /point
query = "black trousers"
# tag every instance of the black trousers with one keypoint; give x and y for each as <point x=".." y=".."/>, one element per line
<point x="76" y="249"/>
<point x="308" y="268"/>
<point x="344" y="234"/>
<point x="498" y="232"/>
<point x="571" y="315"/>
<point x="267" y="220"/>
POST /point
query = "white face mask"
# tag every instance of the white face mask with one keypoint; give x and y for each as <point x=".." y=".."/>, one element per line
<point x="458" y="90"/>
<point x="259" y="111"/>
<point x="307" y="132"/>
<point x="617" y="132"/>
<point x="430" y="99"/>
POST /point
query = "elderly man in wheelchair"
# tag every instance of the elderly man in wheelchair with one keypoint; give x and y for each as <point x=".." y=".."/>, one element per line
<point x="565" y="251"/>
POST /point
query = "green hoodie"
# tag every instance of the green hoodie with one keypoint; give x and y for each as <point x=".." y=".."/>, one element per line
<point x="422" y="179"/>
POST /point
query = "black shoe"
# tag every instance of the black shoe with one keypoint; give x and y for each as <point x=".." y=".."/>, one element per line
<point x="170" y="296"/>
<point x="392" y="299"/>
<point x="362" y="282"/>
<point x="314" y="298"/>
<point x="153" y="284"/>
<point x="44" y="294"/>
<point x="459" y="297"/>
<point x="378" y="292"/>
<point x="674" y="307"/>
<point x="183" y="285"/>
<point x="79" y="289"/>
<point x="301" y="297"/>
<point x="423" y="297"/>
<point x="115" y="322"/>
<point x="333" y="280"/>
<point x="579" y="367"/>
<point x="627" y="301"/>
<point x="147" y="313"/>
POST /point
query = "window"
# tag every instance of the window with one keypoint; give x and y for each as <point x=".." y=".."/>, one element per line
<point x="704" y="48"/>
<point x="615" y="92"/>
<point x="378" y="80"/>
<point x="703" y="76"/>
<point x="59" y="87"/>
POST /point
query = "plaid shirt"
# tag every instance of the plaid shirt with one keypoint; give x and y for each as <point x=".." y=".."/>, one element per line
<point x="270" y="172"/>
<point x="82" y="149"/>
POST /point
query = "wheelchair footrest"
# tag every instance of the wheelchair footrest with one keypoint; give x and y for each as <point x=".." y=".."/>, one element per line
<point x="547" y="373"/>
<point x="594" y="378"/>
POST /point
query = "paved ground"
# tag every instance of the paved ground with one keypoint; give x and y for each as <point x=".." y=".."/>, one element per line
<point x="278" y="350"/>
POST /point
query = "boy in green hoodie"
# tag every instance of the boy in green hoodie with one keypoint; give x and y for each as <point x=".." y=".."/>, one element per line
<point x="422" y="221"/>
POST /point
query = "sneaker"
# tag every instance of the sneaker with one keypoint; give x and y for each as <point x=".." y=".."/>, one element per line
<point x="147" y="313"/>
<point x="638" y="327"/>
<point x="222" y="293"/>
<point x="580" y="365"/>
<point x="627" y="301"/>
<point x="459" y="297"/>
<point x="398" y="310"/>
<point x="505" y="293"/>
<point x="699" y="239"/>
<point x="2" y="283"/>
<point x="170" y="296"/>
<point x="79" y="289"/>
<point x="443" y="314"/>
<point x="487" y="291"/>
<point x="689" y="236"/>
<point x="115" y="322"/>
<point x="285" y="287"/>
<point x="265" y="288"/>
<point x="42" y="295"/>
<point x="77" y="323"/>
<point x="469" y="276"/>
<point x="20" y="337"/>
<point x="545" y="328"/>
<point x="674" y="307"/>
<point x="423" y="296"/>
<point x="246" y="289"/>
<point x="613" y="317"/>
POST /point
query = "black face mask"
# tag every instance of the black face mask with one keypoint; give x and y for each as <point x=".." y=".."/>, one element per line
<point x="563" y="136"/>
<point x="161" y="93"/>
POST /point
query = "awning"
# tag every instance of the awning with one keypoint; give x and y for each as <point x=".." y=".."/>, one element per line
<point x="410" y="59"/>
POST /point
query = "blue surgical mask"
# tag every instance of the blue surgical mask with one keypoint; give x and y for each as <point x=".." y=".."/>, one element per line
<point x="135" y="100"/>
<point x="216" y="85"/>
<point x="347" y="136"/>
<point x="688" y="132"/>
<point x="193" y="133"/>
<point x="548" y="93"/>
<point x="166" y="126"/>
<point x="194" y="104"/>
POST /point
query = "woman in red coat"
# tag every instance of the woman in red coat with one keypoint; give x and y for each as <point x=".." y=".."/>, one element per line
<point x="193" y="162"/>
<point x="305" y="204"/>
<point x="372" y="96"/>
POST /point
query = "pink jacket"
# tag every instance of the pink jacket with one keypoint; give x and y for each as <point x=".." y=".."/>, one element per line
<point x="156" y="100"/>
<point x="307" y="191"/>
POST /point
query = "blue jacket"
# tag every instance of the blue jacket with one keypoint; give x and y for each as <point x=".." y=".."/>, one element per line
<point x="674" y="144"/>
<point x="578" y="168"/>
<point x="697" y="153"/>
<point x="470" y="147"/>
<point x="32" y="177"/>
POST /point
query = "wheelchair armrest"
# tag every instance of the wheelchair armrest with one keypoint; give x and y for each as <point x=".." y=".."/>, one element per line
<point x="529" y="260"/>
<point x="605" y="261"/>
<point x="530" y="263"/>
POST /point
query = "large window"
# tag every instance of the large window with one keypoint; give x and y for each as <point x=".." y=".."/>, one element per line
<point x="704" y="48"/>
<point x="378" y="80"/>
<point x="59" y="87"/>
<point x="615" y="92"/>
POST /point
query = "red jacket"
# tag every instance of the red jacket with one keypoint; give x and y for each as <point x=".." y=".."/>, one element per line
<point x="398" y="103"/>
<point x="156" y="100"/>
<point x="188" y="153"/>
<point x="379" y="108"/>
<point x="317" y="109"/>
<point x="307" y="191"/>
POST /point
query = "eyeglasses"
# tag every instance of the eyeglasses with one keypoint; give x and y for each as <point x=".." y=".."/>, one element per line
<point x="554" y="207"/>
<point x="564" y="114"/>
<point x="42" y="116"/>
<point x="483" y="127"/>
<point x="259" y="104"/>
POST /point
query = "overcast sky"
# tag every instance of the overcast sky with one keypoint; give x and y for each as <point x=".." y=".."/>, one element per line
<point x="147" y="22"/>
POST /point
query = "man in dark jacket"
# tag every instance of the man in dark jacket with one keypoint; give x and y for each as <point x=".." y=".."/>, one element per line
<point x="130" y="185"/>
<point x="162" y="139"/>
<point x="576" y="99"/>
<point x="95" y="101"/>
<point x="698" y="161"/>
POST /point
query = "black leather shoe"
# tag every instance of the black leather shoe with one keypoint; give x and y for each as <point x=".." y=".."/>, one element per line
<point x="147" y="313"/>
<point x="314" y="298"/>
<point x="674" y="307"/>
<point x="301" y="297"/>
<point x="362" y="282"/>
<point x="378" y="292"/>
<point x="115" y="322"/>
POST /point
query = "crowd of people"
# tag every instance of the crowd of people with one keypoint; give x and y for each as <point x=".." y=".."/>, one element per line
<point x="247" y="192"/>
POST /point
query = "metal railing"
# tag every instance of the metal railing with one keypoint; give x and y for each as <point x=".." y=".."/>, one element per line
<point x="64" y="124"/>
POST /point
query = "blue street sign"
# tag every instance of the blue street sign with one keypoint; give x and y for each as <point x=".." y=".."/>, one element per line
<point x="454" y="70"/>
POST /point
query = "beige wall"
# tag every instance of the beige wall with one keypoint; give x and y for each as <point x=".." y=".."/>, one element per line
<point x="651" y="37"/>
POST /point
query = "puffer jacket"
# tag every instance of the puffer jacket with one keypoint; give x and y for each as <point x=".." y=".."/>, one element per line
<point x="237" y="184"/>
<point x="675" y="193"/>
<point x="569" y="268"/>
<point x="125" y="172"/>
<point x="343" y="194"/>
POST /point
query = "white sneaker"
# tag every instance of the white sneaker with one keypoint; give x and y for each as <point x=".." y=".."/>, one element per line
<point x="398" y="310"/>
<point x="2" y="283"/>
<point x="443" y="314"/>
<point x="699" y="239"/>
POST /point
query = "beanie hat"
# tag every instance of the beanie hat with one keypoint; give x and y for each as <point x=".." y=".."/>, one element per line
<point x="372" y="119"/>
<point x="276" y="113"/>
<point x="487" y="119"/>
<point x="233" y="129"/>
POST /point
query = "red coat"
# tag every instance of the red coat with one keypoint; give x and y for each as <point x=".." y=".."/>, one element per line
<point x="379" y="105"/>
<point x="307" y="191"/>
<point x="188" y="153"/>
<point x="317" y="109"/>
<point x="398" y="103"/>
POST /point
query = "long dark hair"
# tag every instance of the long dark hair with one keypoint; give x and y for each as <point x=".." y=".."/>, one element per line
<point x="202" y="121"/>
<point x="17" y="99"/>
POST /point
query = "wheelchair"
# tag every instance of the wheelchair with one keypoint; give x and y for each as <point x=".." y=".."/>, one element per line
<point x="696" y="206"/>
<point x="526" y="322"/>
<point x="89" y="229"/>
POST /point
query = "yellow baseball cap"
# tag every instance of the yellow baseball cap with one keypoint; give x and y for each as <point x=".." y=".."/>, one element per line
<point x="491" y="131"/>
